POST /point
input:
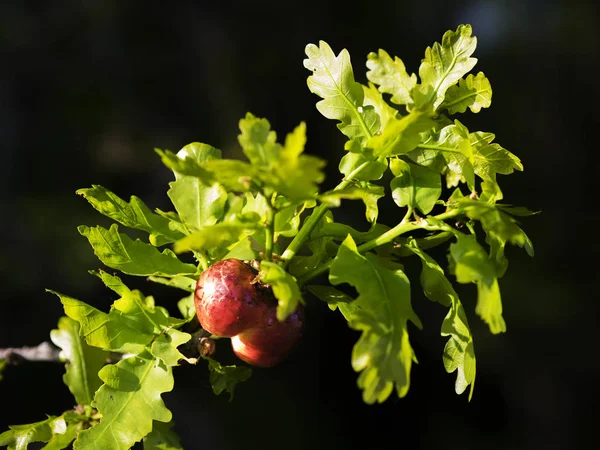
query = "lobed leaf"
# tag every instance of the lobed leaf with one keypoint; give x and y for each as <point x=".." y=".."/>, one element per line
<point x="444" y="64"/>
<point x="226" y="378"/>
<point x="129" y="327"/>
<point x="129" y="401"/>
<point x="391" y="76"/>
<point x="490" y="158"/>
<point x="452" y="148"/>
<point x="282" y="168"/>
<point x="199" y="204"/>
<point x="473" y="92"/>
<point x="179" y="282"/>
<point x="374" y="98"/>
<point x="134" y="214"/>
<point x="361" y="190"/>
<point x="383" y="353"/>
<point x="82" y="361"/>
<point x="414" y="186"/>
<point x="497" y="224"/>
<point x="471" y="265"/>
<point x="343" y="98"/>
<point x="374" y="167"/>
<point x="164" y="347"/>
<point x="18" y="437"/>
<point x="64" y="440"/>
<point x="284" y="286"/>
<point x="400" y="136"/>
<point x="162" y="437"/>
<point x="120" y="252"/>
<point x="459" y="352"/>
<point x="221" y="235"/>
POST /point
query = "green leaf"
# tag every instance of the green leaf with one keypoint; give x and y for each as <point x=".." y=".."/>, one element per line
<point x="120" y="252"/>
<point x="284" y="287"/>
<point x="189" y="162"/>
<point x="295" y="175"/>
<point x="82" y="361"/>
<point x="415" y="186"/>
<point x="391" y="76"/>
<point x="497" y="224"/>
<point x="18" y="437"/>
<point x="186" y="307"/>
<point x="333" y="80"/>
<point x="362" y="190"/>
<point x="183" y="283"/>
<point x="490" y="158"/>
<point x="165" y="346"/>
<point x="444" y="64"/>
<point x="134" y="214"/>
<point x="129" y="401"/>
<point x="129" y="327"/>
<point x="284" y="169"/>
<point x="352" y="161"/>
<point x="258" y="141"/>
<point x="333" y="297"/>
<point x="64" y="440"/>
<point x="459" y="352"/>
<point x="400" y="136"/>
<point x="490" y="192"/>
<point x="340" y="231"/>
<point x="471" y="265"/>
<point x="220" y="235"/>
<point x="113" y="331"/>
<point x="318" y="244"/>
<point x="226" y="378"/>
<point x="241" y="250"/>
<point x="454" y="146"/>
<point x="374" y="98"/>
<point x="2" y="367"/>
<point x="197" y="203"/>
<point x="473" y="92"/>
<point x="162" y="437"/>
<point x="383" y="352"/>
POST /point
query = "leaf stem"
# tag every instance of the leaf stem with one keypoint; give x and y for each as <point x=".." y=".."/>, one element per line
<point x="403" y="227"/>
<point x="269" y="233"/>
<point x="311" y="222"/>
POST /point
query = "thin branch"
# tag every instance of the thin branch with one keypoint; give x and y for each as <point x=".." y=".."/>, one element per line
<point x="42" y="352"/>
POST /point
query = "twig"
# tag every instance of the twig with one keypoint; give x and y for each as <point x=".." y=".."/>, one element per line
<point x="42" y="352"/>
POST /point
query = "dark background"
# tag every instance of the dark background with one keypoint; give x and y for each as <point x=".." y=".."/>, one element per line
<point x="88" y="89"/>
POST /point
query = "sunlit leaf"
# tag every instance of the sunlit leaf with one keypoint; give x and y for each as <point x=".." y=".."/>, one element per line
<point x="197" y="203"/>
<point x="374" y="169"/>
<point x="415" y="186"/>
<point x="18" y="437"/>
<point x="383" y="353"/>
<point x="343" y="98"/>
<point x="391" y="76"/>
<point x="120" y="252"/>
<point x="367" y="192"/>
<point x="165" y="346"/>
<point x="471" y="265"/>
<point x="400" y="136"/>
<point x="473" y="92"/>
<point x="162" y="437"/>
<point x="444" y="64"/>
<point x="129" y="401"/>
<point x="284" y="287"/>
<point x="82" y="361"/>
<point x="282" y="168"/>
<point x="459" y="352"/>
<point x="134" y="214"/>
